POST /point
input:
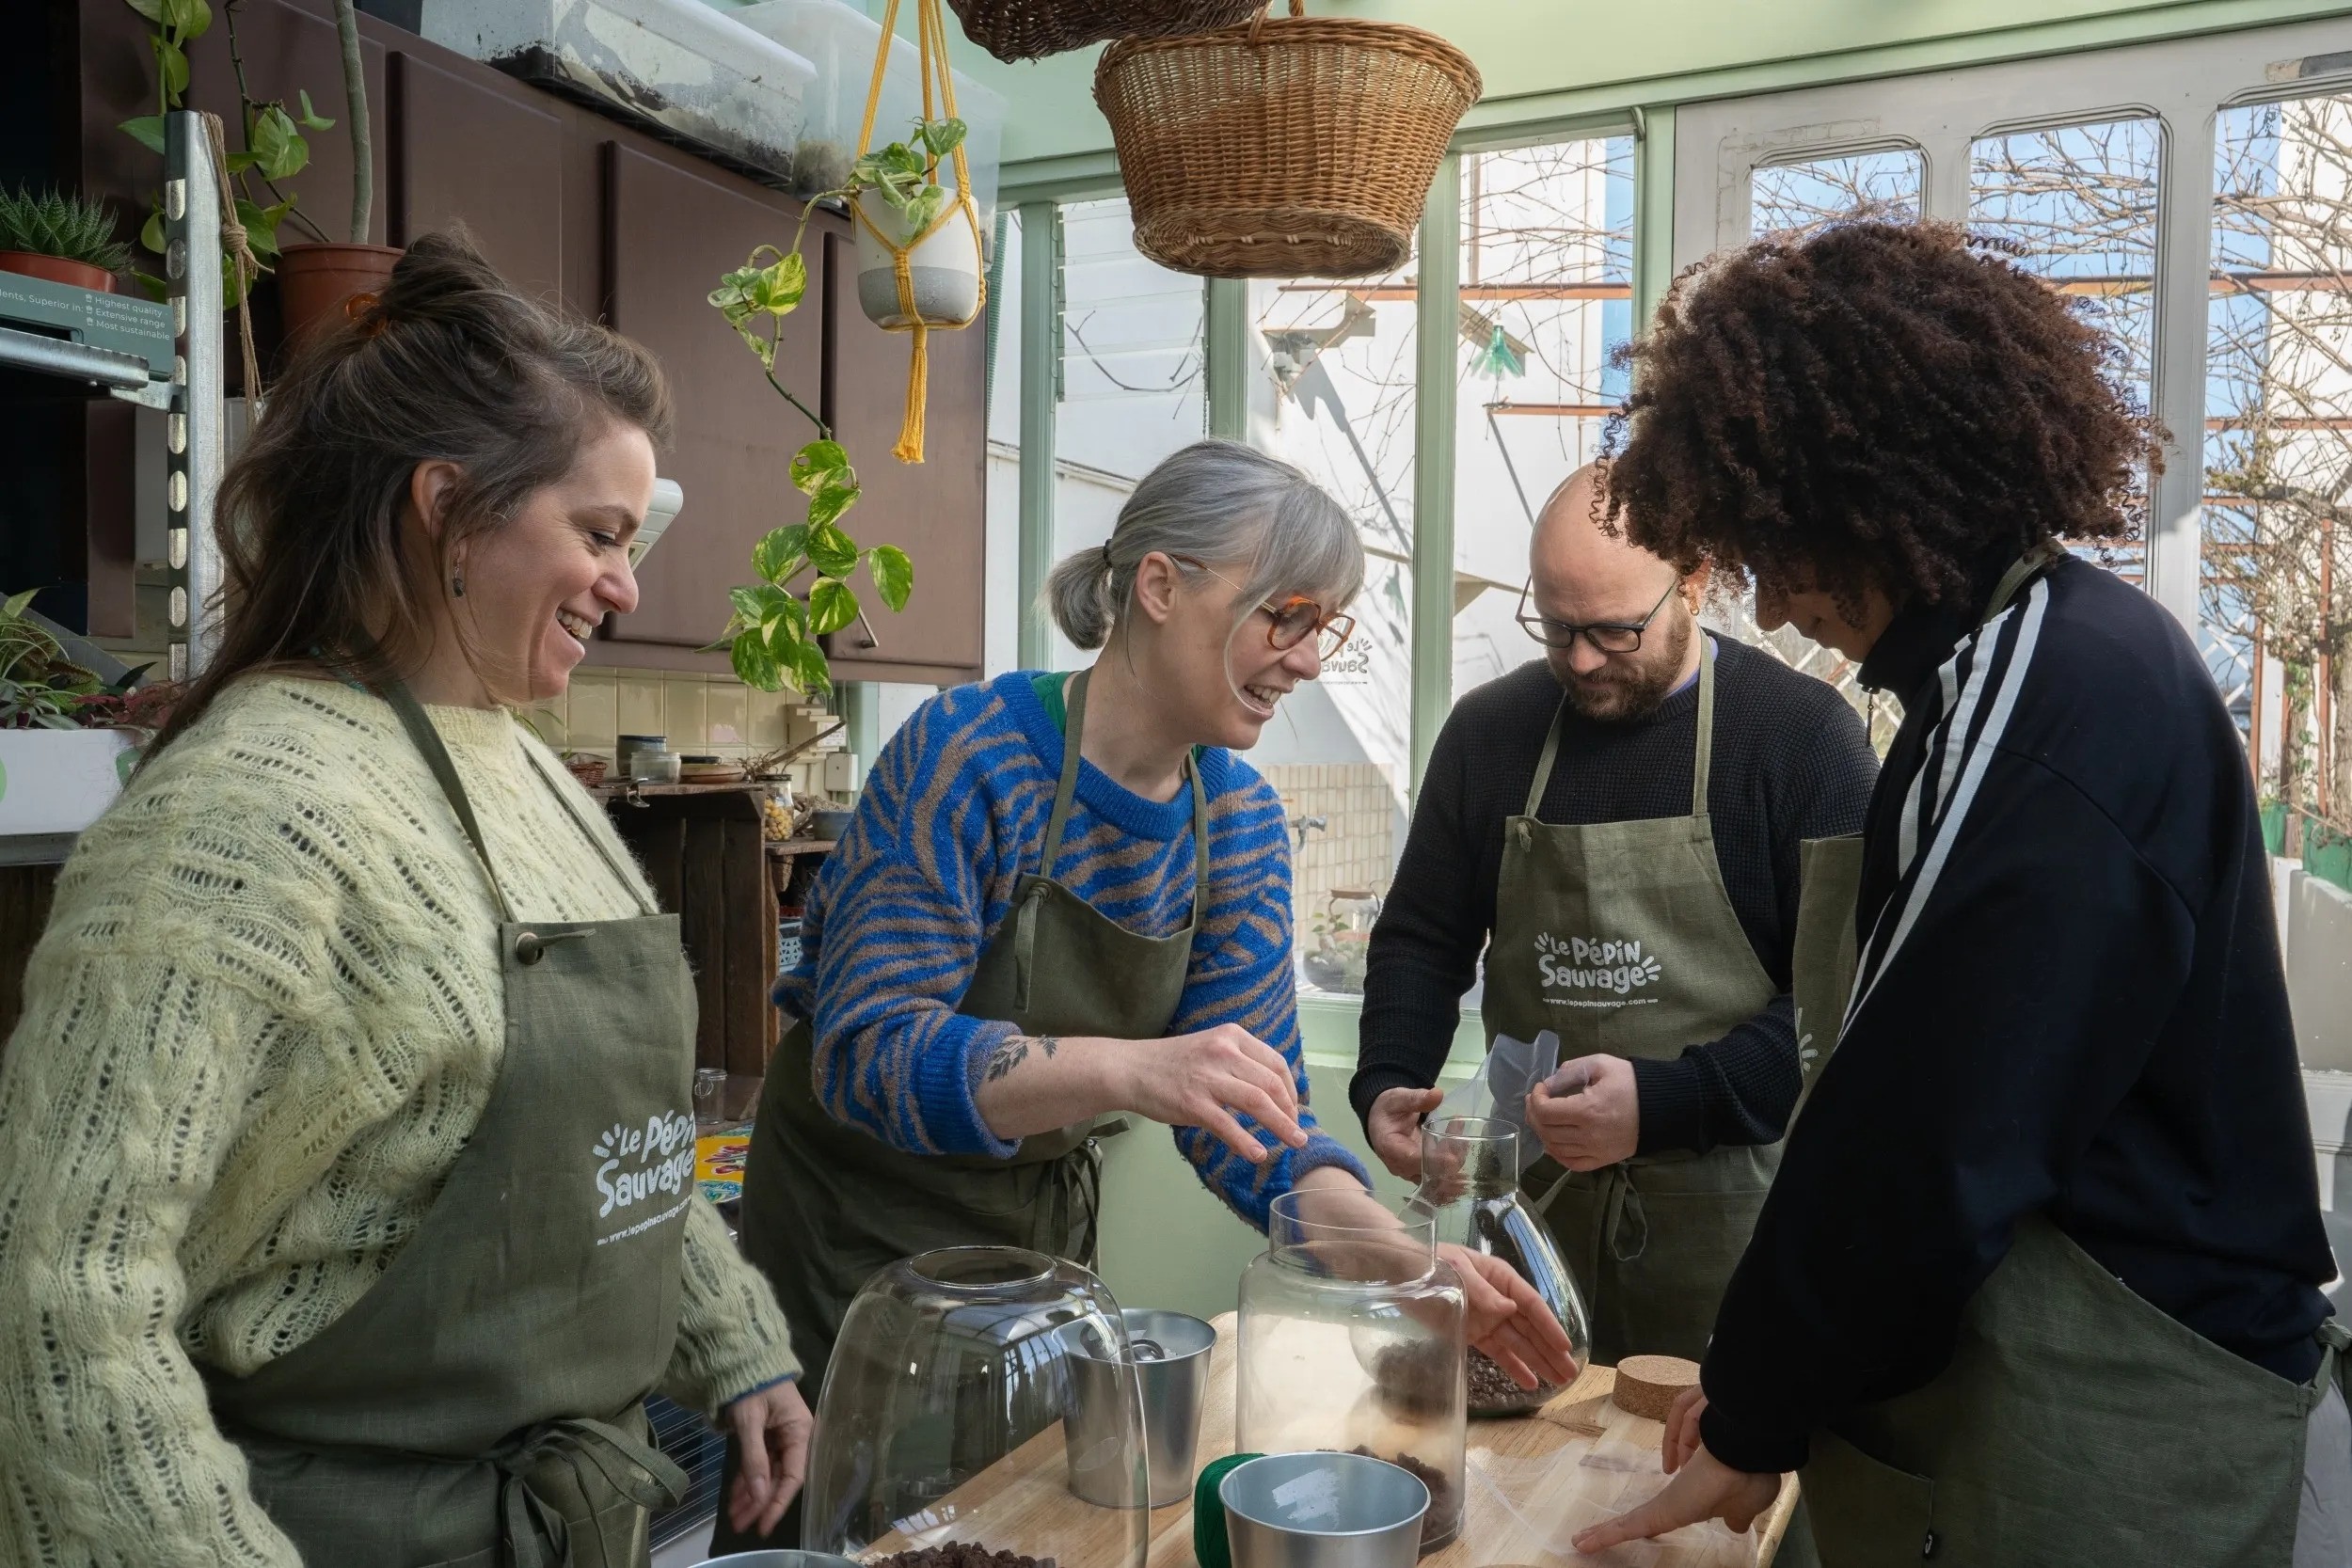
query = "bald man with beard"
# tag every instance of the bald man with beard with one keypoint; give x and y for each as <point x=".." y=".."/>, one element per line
<point x="1616" y="827"/>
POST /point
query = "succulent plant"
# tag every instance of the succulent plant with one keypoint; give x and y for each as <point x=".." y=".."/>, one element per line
<point x="55" y="223"/>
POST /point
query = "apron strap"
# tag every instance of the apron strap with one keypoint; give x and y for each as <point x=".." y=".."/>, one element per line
<point x="2024" y="567"/>
<point x="1074" y="709"/>
<point x="1543" y="764"/>
<point x="1065" y="791"/>
<point x="428" y="740"/>
<point x="1200" y="842"/>
<point x="1704" y="761"/>
<point x="624" y="872"/>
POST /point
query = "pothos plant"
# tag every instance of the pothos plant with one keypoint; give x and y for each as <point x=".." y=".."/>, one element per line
<point x="771" y="636"/>
<point x="274" y="147"/>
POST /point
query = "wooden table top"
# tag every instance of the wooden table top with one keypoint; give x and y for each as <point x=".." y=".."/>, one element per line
<point x="1534" y="1482"/>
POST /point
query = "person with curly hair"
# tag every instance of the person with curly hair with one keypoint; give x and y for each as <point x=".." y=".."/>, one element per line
<point x="2039" y="1278"/>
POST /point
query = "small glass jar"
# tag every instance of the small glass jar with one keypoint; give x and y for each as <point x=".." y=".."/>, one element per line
<point x="1351" y="1338"/>
<point x="1343" y="939"/>
<point x="1470" y="1190"/>
<point x="637" y="756"/>
<point x="951" y="1416"/>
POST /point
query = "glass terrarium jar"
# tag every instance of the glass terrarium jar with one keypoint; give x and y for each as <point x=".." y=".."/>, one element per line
<point x="943" y="1417"/>
<point x="1470" y="1190"/>
<point x="1352" y="1335"/>
<point x="1342" y="941"/>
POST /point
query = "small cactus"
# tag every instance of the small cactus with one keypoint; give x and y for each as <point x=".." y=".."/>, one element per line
<point x="52" y="223"/>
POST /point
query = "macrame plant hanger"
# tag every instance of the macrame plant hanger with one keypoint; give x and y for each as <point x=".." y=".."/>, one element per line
<point x="932" y="39"/>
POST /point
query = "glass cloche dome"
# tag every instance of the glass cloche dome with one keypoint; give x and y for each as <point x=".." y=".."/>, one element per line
<point x="943" y="1419"/>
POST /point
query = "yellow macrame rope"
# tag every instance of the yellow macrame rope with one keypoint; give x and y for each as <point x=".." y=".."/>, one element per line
<point x="931" y="44"/>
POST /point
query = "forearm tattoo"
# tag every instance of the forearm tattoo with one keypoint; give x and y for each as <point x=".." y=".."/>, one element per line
<point x="1014" y="1051"/>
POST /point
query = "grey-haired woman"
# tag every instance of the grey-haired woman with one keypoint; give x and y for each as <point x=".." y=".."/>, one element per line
<point x="1062" y="898"/>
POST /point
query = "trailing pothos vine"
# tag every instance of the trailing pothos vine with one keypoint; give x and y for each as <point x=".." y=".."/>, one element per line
<point x="274" y="147"/>
<point x="771" y="636"/>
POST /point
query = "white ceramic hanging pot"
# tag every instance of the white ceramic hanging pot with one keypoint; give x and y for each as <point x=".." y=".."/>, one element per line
<point x="945" y="269"/>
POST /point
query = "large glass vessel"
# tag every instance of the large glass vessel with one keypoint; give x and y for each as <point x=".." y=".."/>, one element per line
<point x="1469" y="1190"/>
<point x="945" y="1409"/>
<point x="1351" y="1338"/>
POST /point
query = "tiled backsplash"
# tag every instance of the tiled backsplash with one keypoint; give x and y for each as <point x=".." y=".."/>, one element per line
<point x="700" y="715"/>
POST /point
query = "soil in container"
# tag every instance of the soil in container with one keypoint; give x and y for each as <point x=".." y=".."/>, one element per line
<point x="961" y="1554"/>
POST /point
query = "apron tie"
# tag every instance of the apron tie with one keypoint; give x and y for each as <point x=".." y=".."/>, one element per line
<point x="537" y="1534"/>
<point x="1625" y="1224"/>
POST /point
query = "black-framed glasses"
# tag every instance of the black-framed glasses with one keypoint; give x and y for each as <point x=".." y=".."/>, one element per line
<point x="1609" y="636"/>
<point x="1295" y="619"/>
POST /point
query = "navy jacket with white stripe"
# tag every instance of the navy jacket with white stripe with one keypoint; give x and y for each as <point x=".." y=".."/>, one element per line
<point x="2070" y="1001"/>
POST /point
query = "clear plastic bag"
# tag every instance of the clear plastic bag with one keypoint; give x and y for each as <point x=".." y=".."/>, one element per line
<point x="1498" y="1090"/>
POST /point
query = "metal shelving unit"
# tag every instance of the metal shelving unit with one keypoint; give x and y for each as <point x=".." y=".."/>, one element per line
<point x="166" y="357"/>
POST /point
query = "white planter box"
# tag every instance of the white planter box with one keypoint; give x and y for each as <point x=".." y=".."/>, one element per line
<point x="60" y="781"/>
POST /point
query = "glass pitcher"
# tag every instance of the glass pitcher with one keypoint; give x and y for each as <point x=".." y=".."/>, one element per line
<point x="1352" y="1334"/>
<point x="1470" y="1193"/>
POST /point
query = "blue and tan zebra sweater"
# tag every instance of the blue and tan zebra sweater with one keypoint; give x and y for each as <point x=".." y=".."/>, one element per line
<point x="952" y="815"/>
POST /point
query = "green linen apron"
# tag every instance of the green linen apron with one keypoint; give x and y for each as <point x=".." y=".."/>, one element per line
<point x="2077" y="1423"/>
<point x="826" y="1205"/>
<point x="1619" y="937"/>
<point x="479" y="1406"/>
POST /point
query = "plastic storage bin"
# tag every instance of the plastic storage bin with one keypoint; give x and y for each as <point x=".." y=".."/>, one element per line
<point x="840" y="40"/>
<point x="677" y="67"/>
<point x="1352" y="1337"/>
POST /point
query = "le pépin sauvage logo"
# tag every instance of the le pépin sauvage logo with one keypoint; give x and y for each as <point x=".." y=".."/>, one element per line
<point x="1594" y="963"/>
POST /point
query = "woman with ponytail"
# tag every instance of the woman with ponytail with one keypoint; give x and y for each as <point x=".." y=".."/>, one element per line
<point x="348" y="1210"/>
<point x="1065" y="899"/>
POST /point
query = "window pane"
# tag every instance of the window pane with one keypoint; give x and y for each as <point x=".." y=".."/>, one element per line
<point x="2277" y="555"/>
<point x="1796" y="198"/>
<point x="1547" y="294"/>
<point x="1331" y="389"/>
<point x="2080" y="203"/>
<point x="1001" y="619"/>
<point x="1132" y="388"/>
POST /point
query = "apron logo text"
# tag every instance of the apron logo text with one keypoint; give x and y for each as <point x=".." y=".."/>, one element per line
<point x="1590" y="963"/>
<point x="663" y="1150"/>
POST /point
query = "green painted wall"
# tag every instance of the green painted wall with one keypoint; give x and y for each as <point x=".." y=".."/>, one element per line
<point x="1556" y="58"/>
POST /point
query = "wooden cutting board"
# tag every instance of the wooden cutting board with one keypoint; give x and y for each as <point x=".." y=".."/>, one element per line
<point x="1534" y="1482"/>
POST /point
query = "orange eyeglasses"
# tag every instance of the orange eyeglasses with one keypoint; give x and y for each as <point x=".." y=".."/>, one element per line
<point x="1294" y="620"/>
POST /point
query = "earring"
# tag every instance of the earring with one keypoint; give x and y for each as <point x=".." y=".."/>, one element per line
<point x="458" y="585"/>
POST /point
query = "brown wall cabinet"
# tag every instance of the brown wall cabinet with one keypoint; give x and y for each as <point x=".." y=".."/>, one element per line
<point x="621" y="225"/>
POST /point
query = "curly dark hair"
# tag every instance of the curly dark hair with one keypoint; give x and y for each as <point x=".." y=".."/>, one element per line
<point x="1879" y="404"/>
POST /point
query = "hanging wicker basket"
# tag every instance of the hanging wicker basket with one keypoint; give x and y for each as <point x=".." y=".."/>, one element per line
<point x="1298" y="147"/>
<point x="1030" y="29"/>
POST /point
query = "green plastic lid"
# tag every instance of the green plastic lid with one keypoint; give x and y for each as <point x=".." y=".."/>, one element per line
<point x="1209" y="1548"/>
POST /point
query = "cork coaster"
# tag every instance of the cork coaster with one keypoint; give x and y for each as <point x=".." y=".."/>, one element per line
<point x="1647" y="1386"/>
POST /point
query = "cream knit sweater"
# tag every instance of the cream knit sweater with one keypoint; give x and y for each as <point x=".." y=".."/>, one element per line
<point x="262" y="1022"/>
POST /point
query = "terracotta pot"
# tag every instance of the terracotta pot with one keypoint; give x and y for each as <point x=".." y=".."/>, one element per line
<point x="58" y="270"/>
<point x="314" y="280"/>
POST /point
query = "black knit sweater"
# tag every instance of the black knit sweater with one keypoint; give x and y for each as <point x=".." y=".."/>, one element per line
<point x="1791" y="763"/>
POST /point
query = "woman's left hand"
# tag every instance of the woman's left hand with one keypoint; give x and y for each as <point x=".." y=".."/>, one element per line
<point x="1509" y="1321"/>
<point x="772" y="1431"/>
